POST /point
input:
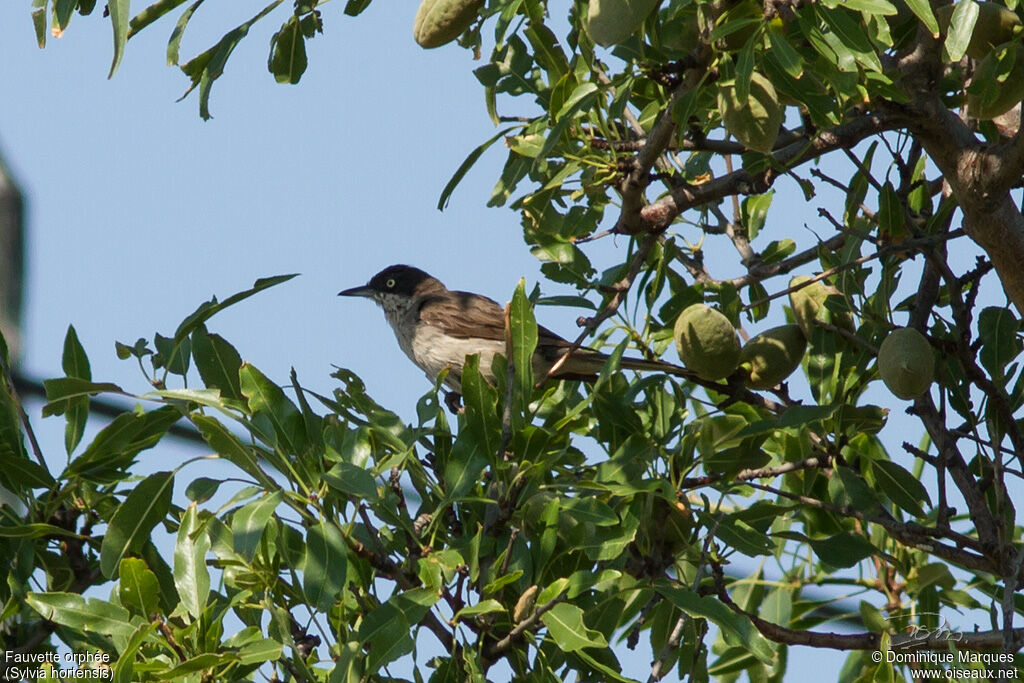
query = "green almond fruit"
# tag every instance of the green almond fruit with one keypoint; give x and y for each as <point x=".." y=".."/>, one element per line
<point x="613" y="21"/>
<point x="808" y="305"/>
<point x="755" y="121"/>
<point x="707" y="342"/>
<point x="906" y="363"/>
<point x="995" y="25"/>
<point x="441" y="21"/>
<point x="772" y="356"/>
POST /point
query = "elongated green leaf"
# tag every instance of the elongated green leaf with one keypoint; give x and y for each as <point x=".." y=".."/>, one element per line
<point x="268" y="401"/>
<point x="352" y="481"/>
<point x="77" y="613"/>
<point x="18" y="473"/>
<point x="851" y="34"/>
<point x="173" y="354"/>
<point x="325" y="566"/>
<point x="207" y="67"/>
<point x="138" y="588"/>
<point x="736" y="629"/>
<point x="174" y="44"/>
<point x="590" y="510"/>
<point x="922" y="9"/>
<point x="900" y="486"/>
<point x="523" y="329"/>
<point x="191" y="577"/>
<point x="386" y="629"/>
<point x="248" y="523"/>
<point x="1000" y="344"/>
<point x="876" y="7"/>
<point x="145" y="507"/>
<point x="120" y="14"/>
<point x="76" y="364"/>
<point x="39" y="24"/>
<point x="566" y="628"/>
<point x="123" y="668"/>
<point x="460" y="172"/>
<point x="961" y="28"/>
<point x="62" y="392"/>
<point x="36" y="530"/>
<point x="482" y="607"/>
<point x="229" y="447"/>
<point x="288" y="52"/>
<point x="843" y="550"/>
<point x="117" y="444"/>
<point x="151" y="14"/>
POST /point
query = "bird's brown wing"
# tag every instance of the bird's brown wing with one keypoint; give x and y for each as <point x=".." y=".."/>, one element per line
<point x="466" y="316"/>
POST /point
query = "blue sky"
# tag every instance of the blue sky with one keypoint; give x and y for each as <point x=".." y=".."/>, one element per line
<point x="138" y="210"/>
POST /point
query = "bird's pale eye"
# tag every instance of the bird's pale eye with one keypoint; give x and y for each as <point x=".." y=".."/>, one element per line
<point x="390" y="283"/>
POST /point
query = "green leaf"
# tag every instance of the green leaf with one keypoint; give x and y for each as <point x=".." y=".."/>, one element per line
<point x="785" y="55"/>
<point x="81" y="615"/>
<point x="62" y="392"/>
<point x="288" y="52"/>
<point x="847" y="489"/>
<point x="229" y="447"/>
<point x="386" y="630"/>
<point x="248" y="523"/>
<point x="590" y="509"/>
<point x="39" y="24"/>
<point x="138" y="587"/>
<point x="174" y="44"/>
<point x="566" y="628"/>
<point x="151" y="14"/>
<point x="325" y="566"/>
<point x="876" y="7"/>
<point x="207" y="67"/>
<point x="794" y="416"/>
<point x="202" y="489"/>
<point x="191" y="577"/>
<point x="352" y="481"/>
<point x="74" y="360"/>
<point x="843" y="550"/>
<point x="354" y="8"/>
<point x="115" y="447"/>
<point x="460" y="172"/>
<point x="961" y="28"/>
<point x="120" y="14"/>
<point x="922" y="9"/>
<point x="18" y="473"/>
<point x="900" y="486"/>
<point x="76" y="364"/>
<point x="217" y="361"/>
<point x="172" y="354"/>
<point x="754" y="212"/>
<point x="736" y="629"/>
<point x="523" y="329"/>
<point x="145" y="507"/>
<point x="851" y="34"/>
<point x="483" y="607"/>
<point x="891" y="221"/>
<point x="1000" y="343"/>
<point x="268" y="401"/>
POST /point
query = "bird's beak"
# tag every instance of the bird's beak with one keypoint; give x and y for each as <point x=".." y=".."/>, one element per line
<point x="363" y="290"/>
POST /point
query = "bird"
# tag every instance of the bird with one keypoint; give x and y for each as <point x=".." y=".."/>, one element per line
<point x="438" y="327"/>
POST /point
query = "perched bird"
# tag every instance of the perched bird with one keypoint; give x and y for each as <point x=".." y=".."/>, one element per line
<point x="437" y="328"/>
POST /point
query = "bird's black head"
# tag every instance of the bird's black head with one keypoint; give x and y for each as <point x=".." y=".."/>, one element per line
<point x="400" y="280"/>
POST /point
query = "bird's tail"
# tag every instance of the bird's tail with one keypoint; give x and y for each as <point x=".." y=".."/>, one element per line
<point x="586" y="364"/>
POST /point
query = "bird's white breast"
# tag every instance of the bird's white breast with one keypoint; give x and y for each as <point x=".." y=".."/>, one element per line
<point x="430" y="348"/>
